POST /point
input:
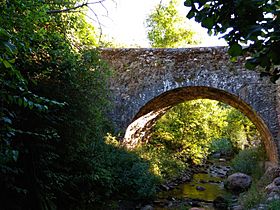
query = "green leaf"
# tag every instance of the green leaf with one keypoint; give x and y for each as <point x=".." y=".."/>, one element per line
<point x="233" y="59"/>
<point x="12" y="61"/>
<point x="25" y="102"/>
<point x="274" y="55"/>
<point x="235" y="50"/>
<point x="191" y="14"/>
<point x="11" y="48"/>
<point x="249" y="65"/>
<point x="30" y="105"/>
<point x="188" y="3"/>
<point x="7" y="64"/>
<point x="264" y="61"/>
<point x="46" y="107"/>
<point x="208" y="22"/>
<point x="20" y="101"/>
<point x="4" y="35"/>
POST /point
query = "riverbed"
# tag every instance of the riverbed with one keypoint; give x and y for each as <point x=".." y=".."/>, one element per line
<point x="206" y="189"/>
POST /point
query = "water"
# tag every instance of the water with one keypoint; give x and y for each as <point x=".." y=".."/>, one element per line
<point x="213" y="186"/>
<point x="184" y="194"/>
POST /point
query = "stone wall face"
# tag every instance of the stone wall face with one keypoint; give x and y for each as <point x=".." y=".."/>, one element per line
<point x="149" y="81"/>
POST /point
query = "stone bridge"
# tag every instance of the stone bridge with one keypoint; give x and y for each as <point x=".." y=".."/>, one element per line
<point x="147" y="82"/>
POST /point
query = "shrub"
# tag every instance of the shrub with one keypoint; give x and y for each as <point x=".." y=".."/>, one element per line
<point x="221" y="145"/>
<point x="252" y="197"/>
<point x="163" y="164"/>
<point x="132" y="177"/>
<point x="247" y="161"/>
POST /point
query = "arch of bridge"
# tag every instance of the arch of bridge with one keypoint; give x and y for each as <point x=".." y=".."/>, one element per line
<point x="147" y="82"/>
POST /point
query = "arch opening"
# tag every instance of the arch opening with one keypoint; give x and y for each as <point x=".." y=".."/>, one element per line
<point x="145" y="119"/>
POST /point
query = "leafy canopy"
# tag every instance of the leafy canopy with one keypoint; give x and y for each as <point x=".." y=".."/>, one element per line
<point x="166" y="28"/>
<point x="254" y="23"/>
<point x="189" y="132"/>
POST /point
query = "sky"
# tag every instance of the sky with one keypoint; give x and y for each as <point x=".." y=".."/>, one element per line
<point x="125" y="21"/>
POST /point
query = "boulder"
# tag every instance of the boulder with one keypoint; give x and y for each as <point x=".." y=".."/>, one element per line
<point x="238" y="182"/>
<point x="276" y="181"/>
<point x="271" y="188"/>
<point x="274" y="186"/>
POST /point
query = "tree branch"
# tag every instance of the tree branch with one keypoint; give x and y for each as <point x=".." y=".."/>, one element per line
<point x="85" y="4"/>
<point x="99" y="23"/>
<point x="66" y="9"/>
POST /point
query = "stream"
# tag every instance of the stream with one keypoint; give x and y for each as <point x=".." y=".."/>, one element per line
<point x="205" y="190"/>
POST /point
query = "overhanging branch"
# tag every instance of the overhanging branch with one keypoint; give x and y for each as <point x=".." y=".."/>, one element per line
<point x="85" y="4"/>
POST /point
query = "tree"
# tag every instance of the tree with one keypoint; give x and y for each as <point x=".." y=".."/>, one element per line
<point x="166" y="28"/>
<point x="54" y="103"/>
<point x="191" y="130"/>
<point x="39" y="51"/>
<point x="251" y="27"/>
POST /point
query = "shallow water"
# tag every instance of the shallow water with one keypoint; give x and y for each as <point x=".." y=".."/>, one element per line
<point x="213" y="187"/>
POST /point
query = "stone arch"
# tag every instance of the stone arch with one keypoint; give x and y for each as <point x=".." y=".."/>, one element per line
<point x="145" y="76"/>
<point x="147" y="115"/>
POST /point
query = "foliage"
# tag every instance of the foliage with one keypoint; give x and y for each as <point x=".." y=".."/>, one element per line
<point x="54" y="102"/>
<point x="132" y="172"/>
<point x="188" y="129"/>
<point x="252" y="197"/>
<point x="222" y="145"/>
<point x="248" y="161"/>
<point x="108" y="172"/>
<point x="192" y="130"/>
<point x="241" y="131"/>
<point x="273" y="205"/>
<point x="22" y="145"/>
<point x="163" y="163"/>
<point x="250" y="22"/>
<point x="166" y="28"/>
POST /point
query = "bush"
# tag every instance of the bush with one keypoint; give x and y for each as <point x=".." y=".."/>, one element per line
<point x="252" y="197"/>
<point x="221" y="145"/>
<point x="163" y="164"/>
<point x="247" y="161"/>
<point x="132" y="177"/>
